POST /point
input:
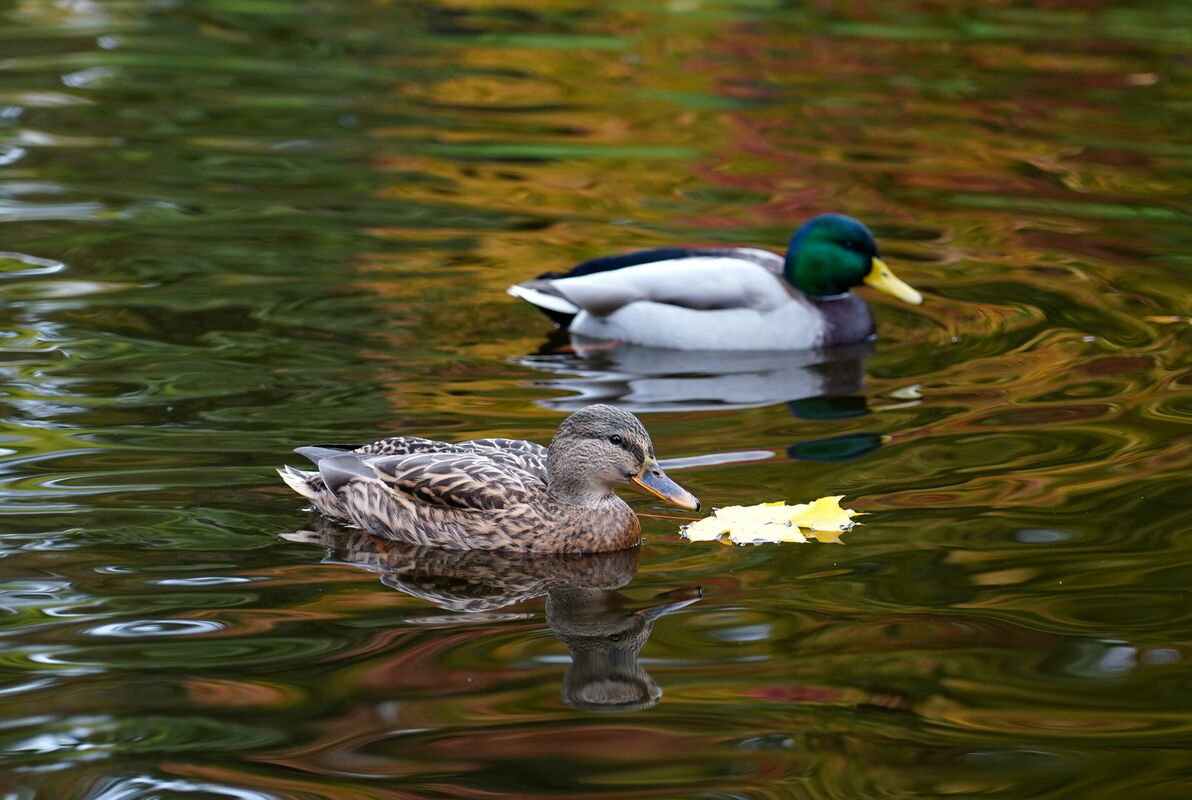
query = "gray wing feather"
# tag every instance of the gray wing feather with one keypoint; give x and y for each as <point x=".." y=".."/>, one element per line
<point x="317" y="453"/>
<point x="466" y="481"/>
<point x="338" y="470"/>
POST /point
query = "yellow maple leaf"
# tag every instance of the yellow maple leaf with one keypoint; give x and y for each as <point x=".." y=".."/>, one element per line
<point x="822" y="519"/>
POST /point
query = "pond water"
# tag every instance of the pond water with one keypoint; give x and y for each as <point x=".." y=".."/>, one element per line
<point x="236" y="226"/>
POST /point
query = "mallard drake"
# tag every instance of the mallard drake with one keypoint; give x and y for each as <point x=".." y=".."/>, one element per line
<point x="727" y="298"/>
<point x="491" y="494"/>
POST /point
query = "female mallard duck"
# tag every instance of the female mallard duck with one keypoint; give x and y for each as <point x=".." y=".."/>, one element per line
<point x="730" y="298"/>
<point x="491" y="494"/>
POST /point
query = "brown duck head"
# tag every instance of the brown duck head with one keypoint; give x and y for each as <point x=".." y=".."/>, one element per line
<point x="601" y="447"/>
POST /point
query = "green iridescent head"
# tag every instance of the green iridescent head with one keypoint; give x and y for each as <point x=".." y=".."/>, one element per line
<point x="832" y="253"/>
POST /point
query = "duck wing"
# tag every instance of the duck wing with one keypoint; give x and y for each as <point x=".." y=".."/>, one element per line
<point x="519" y="454"/>
<point x="697" y="279"/>
<point x="391" y="446"/>
<point x="458" y="480"/>
<point x="408" y="445"/>
<point x="404" y="445"/>
<point x="519" y="446"/>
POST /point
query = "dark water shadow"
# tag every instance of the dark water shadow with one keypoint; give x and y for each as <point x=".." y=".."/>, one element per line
<point x="602" y="628"/>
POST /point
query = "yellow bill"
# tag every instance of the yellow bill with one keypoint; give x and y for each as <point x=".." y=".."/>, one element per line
<point x="882" y="278"/>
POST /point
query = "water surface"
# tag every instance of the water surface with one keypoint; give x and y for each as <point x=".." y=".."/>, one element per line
<point x="235" y="226"/>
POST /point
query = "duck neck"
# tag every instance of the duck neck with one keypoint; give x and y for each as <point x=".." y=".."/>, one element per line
<point x="818" y="270"/>
<point x="575" y="487"/>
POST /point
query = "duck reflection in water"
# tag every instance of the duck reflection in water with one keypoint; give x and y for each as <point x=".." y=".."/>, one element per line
<point x="584" y="609"/>
<point x="817" y="384"/>
<point x="641" y="379"/>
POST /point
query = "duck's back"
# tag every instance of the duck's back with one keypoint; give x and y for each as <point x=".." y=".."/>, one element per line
<point x="519" y="454"/>
<point x="514" y="462"/>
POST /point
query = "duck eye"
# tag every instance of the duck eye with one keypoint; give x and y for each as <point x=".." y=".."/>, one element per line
<point x="615" y="439"/>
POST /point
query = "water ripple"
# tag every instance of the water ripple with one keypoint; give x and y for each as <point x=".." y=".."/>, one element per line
<point x="10" y="154"/>
<point x="155" y="627"/>
<point x="239" y="653"/>
<point x="148" y="787"/>
<point x="32" y="265"/>
<point x="100" y="736"/>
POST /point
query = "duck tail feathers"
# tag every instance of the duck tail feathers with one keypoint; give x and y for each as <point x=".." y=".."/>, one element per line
<point x="538" y="294"/>
<point x="299" y="481"/>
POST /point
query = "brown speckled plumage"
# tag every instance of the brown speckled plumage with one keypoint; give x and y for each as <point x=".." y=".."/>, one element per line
<point x="491" y="494"/>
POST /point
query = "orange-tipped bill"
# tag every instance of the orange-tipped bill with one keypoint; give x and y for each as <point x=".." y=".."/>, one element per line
<point x="882" y="278"/>
<point x="653" y="480"/>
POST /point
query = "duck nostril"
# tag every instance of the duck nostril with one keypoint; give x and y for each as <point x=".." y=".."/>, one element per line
<point x="656" y="473"/>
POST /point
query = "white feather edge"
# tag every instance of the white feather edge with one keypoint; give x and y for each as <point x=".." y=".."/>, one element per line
<point x="298" y="481"/>
<point x="543" y="300"/>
